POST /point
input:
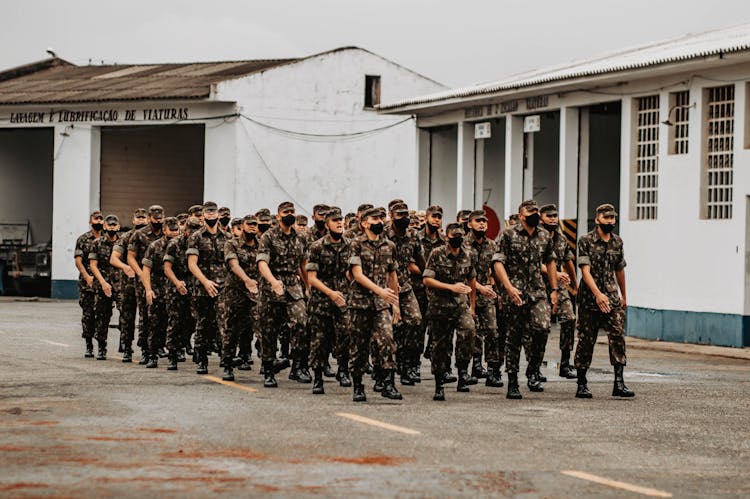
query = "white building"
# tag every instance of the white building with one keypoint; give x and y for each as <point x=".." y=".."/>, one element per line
<point x="661" y="131"/>
<point x="245" y="134"/>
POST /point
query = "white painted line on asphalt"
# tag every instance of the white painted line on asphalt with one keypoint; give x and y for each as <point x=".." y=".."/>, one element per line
<point x="379" y="424"/>
<point x="56" y="343"/>
<point x="230" y="383"/>
<point x="618" y="485"/>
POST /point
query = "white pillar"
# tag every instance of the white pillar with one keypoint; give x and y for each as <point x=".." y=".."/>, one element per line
<point x="528" y="166"/>
<point x="465" y="166"/>
<point x="479" y="174"/>
<point x="583" y="173"/>
<point x="220" y="164"/>
<point x="513" y="164"/>
<point x="568" y="194"/>
<point x="423" y="168"/>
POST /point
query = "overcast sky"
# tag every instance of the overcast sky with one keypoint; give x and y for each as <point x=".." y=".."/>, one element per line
<point x="455" y="42"/>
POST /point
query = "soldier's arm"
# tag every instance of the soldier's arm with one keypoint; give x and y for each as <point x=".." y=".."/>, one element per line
<point x="133" y="263"/>
<point x="194" y="269"/>
<point x="386" y="294"/>
<point x="146" y="280"/>
<point x="303" y="274"/>
<point x="82" y="270"/>
<point x="620" y="275"/>
<point x="169" y="272"/>
<point x="94" y="264"/>
<point x="473" y="295"/>
<point x="571" y="270"/>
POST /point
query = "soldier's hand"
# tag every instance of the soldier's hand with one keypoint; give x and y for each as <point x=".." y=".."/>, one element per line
<point x="278" y="287"/>
<point x="182" y="288"/>
<point x="396" y="315"/>
<point x="515" y="296"/>
<point x="554" y="297"/>
<point x="603" y="303"/>
<point x="252" y="286"/>
<point x="107" y="290"/>
<point x="460" y="288"/>
<point x="90" y="281"/>
<point x="564" y="278"/>
<point x="129" y="272"/>
<point x="486" y="291"/>
<point x="338" y="298"/>
<point x="211" y="288"/>
<point x="389" y="296"/>
<point x="150" y="295"/>
<point x="624" y="302"/>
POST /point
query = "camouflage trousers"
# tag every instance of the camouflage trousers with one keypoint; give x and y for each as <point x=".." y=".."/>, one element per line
<point x="206" y="325"/>
<point x="102" y="315"/>
<point x="329" y="334"/>
<point x="128" y="307"/>
<point x="376" y="326"/>
<point x="528" y="325"/>
<point x="157" y="321"/>
<point x="276" y="314"/>
<point x="566" y="317"/>
<point x="589" y="323"/>
<point x="441" y="329"/>
<point x="180" y="321"/>
<point x="408" y="333"/>
<point x="87" y="301"/>
<point x="140" y="295"/>
<point x="502" y="333"/>
<point x="421" y="295"/>
<point x="239" y="321"/>
<point x="486" y="339"/>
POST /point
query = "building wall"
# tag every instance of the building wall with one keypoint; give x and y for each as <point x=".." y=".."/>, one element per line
<point x="323" y="95"/>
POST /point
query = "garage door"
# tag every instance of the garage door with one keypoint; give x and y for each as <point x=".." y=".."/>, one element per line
<point x="141" y="166"/>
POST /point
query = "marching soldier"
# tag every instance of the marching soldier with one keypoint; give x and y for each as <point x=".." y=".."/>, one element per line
<point x="319" y="222"/>
<point x="356" y="230"/>
<point x="237" y="227"/>
<point x="107" y="283"/>
<point x="225" y="217"/>
<point x="602" y="262"/>
<point x="86" y="292"/>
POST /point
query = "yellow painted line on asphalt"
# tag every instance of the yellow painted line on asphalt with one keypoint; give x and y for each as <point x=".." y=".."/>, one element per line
<point x="618" y="485"/>
<point x="379" y="424"/>
<point x="56" y="343"/>
<point x="230" y="383"/>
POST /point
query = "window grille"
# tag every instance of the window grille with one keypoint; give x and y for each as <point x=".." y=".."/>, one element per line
<point x="681" y="103"/>
<point x="719" y="151"/>
<point x="647" y="157"/>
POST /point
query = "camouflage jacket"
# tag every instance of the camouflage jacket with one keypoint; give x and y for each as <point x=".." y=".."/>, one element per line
<point x="101" y="250"/>
<point x="329" y="260"/>
<point x="522" y="255"/>
<point x="564" y="254"/>
<point x="313" y="234"/>
<point x="175" y="253"/>
<point x="604" y="259"/>
<point x="428" y="244"/>
<point x="408" y="250"/>
<point x="245" y="254"/>
<point x="154" y="258"/>
<point x="210" y="251"/>
<point x="284" y="254"/>
<point x="484" y="251"/>
<point x="121" y="246"/>
<point x="84" y="247"/>
<point x="140" y="240"/>
<point x="448" y="268"/>
<point x="352" y="234"/>
<point x="377" y="258"/>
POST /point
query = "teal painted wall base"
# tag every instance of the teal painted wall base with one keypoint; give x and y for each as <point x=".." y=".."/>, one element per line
<point x="64" y="290"/>
<point x="689" y="327"/>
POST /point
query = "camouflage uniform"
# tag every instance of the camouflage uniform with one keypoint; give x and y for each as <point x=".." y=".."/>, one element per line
<point x="128" y="304"/>
<point x="486" y="312"/>
<point x="209" y="248"/>
<point x="448" y="311"/>
<point x="328" y="323"/>
<point x="604" y="259"/>
<point x="428" y="243"/>
<point x="522" y="255"/>
<point x="139" y="243"/>
<point x="157" y="311"/>
<point x="566" y="316"/>
<point x="240" y="305"/>
<point x="180" y="319"/>
<point x="370" y="315"/>
<point x="101" y="250"/>
<point x="86" y="294"/>
<point x="284" y="255"/>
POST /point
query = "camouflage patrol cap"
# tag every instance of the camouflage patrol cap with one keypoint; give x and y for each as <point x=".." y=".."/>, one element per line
<point x="224" y="211"/>
<point x="381" y="210"/>
<point x="236" y="222"/>
<point x="193" y="223"/>
<point x="156" y="209"/>
<point x="371" y="212"/>
<point x="210" y="206"/>
<point x="606" y="210"/>
<point x="334" y="214"/>
<point x="364" y="207"/>
<point x="112" y="219"/>
<point x="514" y="219"/>
<point x="477" y="214"/>
<point x="96" y="214"/>
<point x="395" y="202"/>
<point x="463" y="215"/>
<point x="320" y="209"/>
<point x="171" y="223"/>
<point x="249" y="219"/>
<point x="195" y="209"/>
<point x="529" y="204"/>
<point x="549" y="210"/>
<point x="263" y="217"/>
<point x="182" y="217"/>
<point x="140" y="212"/>
<point x="434" y="209"/>
<point x="263" y="211"/>
<point x="399" y="209"/>
<point x="454" y="227"/>
<point x="301" y="219"/>
<point x="286" y="205"/>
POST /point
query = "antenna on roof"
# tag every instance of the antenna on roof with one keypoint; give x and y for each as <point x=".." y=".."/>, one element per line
<point x="51" y="52"/>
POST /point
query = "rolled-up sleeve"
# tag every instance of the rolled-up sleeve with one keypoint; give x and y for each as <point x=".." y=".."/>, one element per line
<point x="583" y="253"/>
<point x="428" y="273"/>
<point x="312" y="267"/>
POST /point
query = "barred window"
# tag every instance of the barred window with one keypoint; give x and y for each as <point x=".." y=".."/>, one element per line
<point x="718" y="174"/>
<point x="646" y="157"/>
<point x="680" y="114"/>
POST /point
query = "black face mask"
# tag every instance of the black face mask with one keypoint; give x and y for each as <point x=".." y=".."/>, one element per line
<point x="225" y="221"/>
<point x="336" y="236"/>
<point x="479" y="234"/>
<point x="139" y="226"/>
<point x="432" y="228"/>
<point x="607" y="228"/>
<point x="401" y="223"/>
<point x="550" y="227"/>
<point x="320" y="224"/>
<point x="420" y="226"/>
<point x="97" y="227"/>
<point x="288" y="220"/>
<point x="263" y="227"/>
<point x="455" y="242"/>
<point x="249" y="236"/>
<point x="112" y="233"/>
<point x="156" y="225"/>
<point x="533" y="220"/>
<point x="376" y="228"/>
<point x="211" y="222"/>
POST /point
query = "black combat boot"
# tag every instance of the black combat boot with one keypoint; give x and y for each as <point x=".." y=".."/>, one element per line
<point x="368" y="368"/>
<point x="163" y="352"/>
<point x="269" y="375"/>
<point x="389" y="387"/>
<point x="477" y="370"/>
<point x="415" y="370"/>
<point x="448" y="377"/>
<point x="463" y="380"/>
<point x="439" y="390"/>
<point x="566" y="371"/>
<point x="359" y="390"/>
<point x="304" y="371"/>
<point x="542" y="378"/>
<point x="294" y="371"/>
<point x="583" y="391"/>
<point x="279" y="365"/>
<point x="620" y="390"/>
<point x="89" y="349"/>
<point x="173" y="360"/>
<point x="284" y="353"/>
<point x="533" y="382"/>
<point x="245" y="363"/>
<point x="202" y="367"/>
<point x="403" y="374"/>
<point x="377" y="375"/>
<point x="127" y="356"/>
<point x="145" y="357"/>
<point x="180" y="354"/>
<point x="494" y="378"/>
<point x="153" y="362"/>
<point x="343" y="377"/>
<point x="189" y="349"/>
<point x="121" y="347"/>
<point x="102" y="354"/>
<point x="317" y="388"/>
<point x="513" y="392"/>
<point x="228" y="371"/>
<point x="327" y="371"/>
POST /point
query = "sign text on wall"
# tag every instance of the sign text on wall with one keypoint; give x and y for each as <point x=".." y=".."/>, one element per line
<point x="101" y="115"/>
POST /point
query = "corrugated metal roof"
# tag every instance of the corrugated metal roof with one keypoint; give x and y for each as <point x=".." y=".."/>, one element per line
<point x="684" y="48"/>
<point x="58" y="81"/>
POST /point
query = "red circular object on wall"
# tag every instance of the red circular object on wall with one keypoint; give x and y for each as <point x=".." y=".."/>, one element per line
<point x="493" y="222"/>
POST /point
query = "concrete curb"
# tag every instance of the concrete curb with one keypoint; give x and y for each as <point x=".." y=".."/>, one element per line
<point x="685" y="348"/>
